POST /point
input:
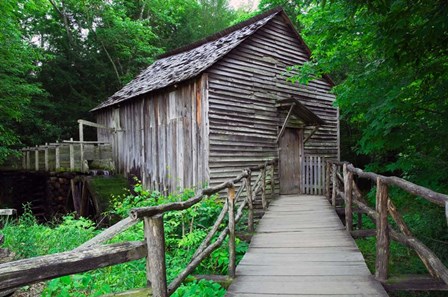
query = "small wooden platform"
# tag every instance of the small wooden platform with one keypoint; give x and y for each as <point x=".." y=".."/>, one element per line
<point x="301" y="248"/>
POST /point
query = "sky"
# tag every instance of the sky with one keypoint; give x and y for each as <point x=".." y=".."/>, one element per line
<point x="251" y="4"/>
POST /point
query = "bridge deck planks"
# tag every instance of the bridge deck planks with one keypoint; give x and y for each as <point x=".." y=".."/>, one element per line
<point x="301" y="248"/>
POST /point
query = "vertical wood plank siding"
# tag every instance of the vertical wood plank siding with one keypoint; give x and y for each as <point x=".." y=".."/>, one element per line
<point x="243" y="89"/>
<point x="161" y="137"/>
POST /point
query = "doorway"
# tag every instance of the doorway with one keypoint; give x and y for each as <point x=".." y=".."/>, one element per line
<point x="290" y="161"/>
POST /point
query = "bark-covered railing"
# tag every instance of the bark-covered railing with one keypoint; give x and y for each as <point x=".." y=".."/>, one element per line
<point x="91" y="255"/>
<point x="343" y="192"/>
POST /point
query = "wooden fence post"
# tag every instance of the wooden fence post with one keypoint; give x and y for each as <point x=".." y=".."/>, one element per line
<point x="72" y="155"/>
<point x="263" y="188"/>
<point x="81" y="145"/>
<point x="155" y="261"/>
<point x="36" y="158"/>
<point x="57" y="156"/>
<point x="348" y="187"/>
<point x="47" y="166"/>
<point x="28" y="159"/>
<point x="232" y="246"/>
<point x="250" y="218"/>
<point x="382" y="232"/>
<point x="327" y="181"/>
<point x="334" y="181"/>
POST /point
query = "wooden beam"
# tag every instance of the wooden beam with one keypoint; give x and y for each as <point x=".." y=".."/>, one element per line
<point x="155" y="261"/>
<point x="382" y="232"/>
<point x="285" y="122"/>
<point x="92" y="124"/>
<point x="264" y="202"/>
<point x="434" y="197"/>
<point x="415" y="283"/>
<point x="107" y="234"/>
<point x="23" y="272"/>
<point x="250" y="217"/>
<point x="232" y="242"/>
<point x="363" y="233"/>
<point x="348" y="187"/>
<point x="311" y="134"/>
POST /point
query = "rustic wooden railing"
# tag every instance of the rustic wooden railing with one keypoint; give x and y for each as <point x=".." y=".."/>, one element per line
<point x="91" y="255"/>
<point x="342" y="191"/>
<point x="69" y="155"/>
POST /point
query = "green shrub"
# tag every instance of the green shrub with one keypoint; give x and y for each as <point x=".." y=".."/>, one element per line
<point x="184" y="231"/>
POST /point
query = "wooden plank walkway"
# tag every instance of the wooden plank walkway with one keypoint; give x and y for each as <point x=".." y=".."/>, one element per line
<point x="301" y="248"/>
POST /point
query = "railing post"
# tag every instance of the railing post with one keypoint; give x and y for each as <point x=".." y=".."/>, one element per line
<point x="36" y="159"/>
<point x="382" y="232"/>
<point x="348" y="188"/>
<point x="250" y="218"/>
<point x="232" y="246"/>
<point x="72" y="155"/>
<point x="57" y="161"/>
<point x="28" y="159"/>
<point x="263" y="188"/>
<point x="155" y="261"/>
<point x="47" y="167"/>
<point x="81" y="145"/>
<point x="335" y="184"/>
<point x="327" y="181"/>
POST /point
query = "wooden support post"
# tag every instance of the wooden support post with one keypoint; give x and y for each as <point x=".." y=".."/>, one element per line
<point x="359" y="224"/>
<point x="47" y="166"/>
<point x="250" y="218"/>
<point x="57" y="157"/>
<point x="382" y="232"/>
<point x="327" y="181"/>
<point x="348" y="187"/>
<point x="72" y="156"/>
<point x="263" y="188"/>
<point x="232" y="244"/>
<point x="81" y="144"/>
<point x="36" y="158"/>
<point x="446" y="211"/>
<point x="23" y="160"/>
<point x="334" y="181"/>
<point x="155" y="261"/>
<point x="272" y="181"/>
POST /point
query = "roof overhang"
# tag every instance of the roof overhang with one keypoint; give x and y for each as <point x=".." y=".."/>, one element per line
<point x="300" y="111"/>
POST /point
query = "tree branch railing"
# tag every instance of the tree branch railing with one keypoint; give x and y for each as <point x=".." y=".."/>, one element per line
<point x="342" y="191"/>
<point x="92" y="255"/>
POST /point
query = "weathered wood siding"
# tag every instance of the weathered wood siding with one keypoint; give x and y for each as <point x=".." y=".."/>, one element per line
<point x="243" y="89"/>
<point x="161" y="137"/>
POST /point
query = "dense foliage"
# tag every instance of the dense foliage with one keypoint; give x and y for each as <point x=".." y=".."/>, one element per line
<point x="390" y="62"/>
<point x="184" y="231"/>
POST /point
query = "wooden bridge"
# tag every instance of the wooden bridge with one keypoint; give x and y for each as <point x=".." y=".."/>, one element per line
<point x="300" y="247"/>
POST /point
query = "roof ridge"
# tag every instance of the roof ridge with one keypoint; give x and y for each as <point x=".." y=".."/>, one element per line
<point x="221" y="33"/>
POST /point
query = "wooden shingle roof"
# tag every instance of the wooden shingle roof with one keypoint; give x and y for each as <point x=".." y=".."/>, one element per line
<point x="189" y="61"/>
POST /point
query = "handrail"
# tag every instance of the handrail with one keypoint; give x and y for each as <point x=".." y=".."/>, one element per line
<point x="344" y="187"/>
<point x="92" y="255"/>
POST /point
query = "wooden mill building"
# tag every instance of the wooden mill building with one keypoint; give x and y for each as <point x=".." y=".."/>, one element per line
<point x="203" y="112"/>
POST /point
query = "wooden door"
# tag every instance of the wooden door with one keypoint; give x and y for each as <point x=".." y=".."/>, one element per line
<point x="290" y="156"/>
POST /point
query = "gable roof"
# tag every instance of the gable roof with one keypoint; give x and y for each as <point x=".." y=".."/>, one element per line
<point x="189" y="61"/>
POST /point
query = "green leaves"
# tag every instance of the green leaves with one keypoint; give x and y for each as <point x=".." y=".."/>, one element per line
<point x="389" y="60"/>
